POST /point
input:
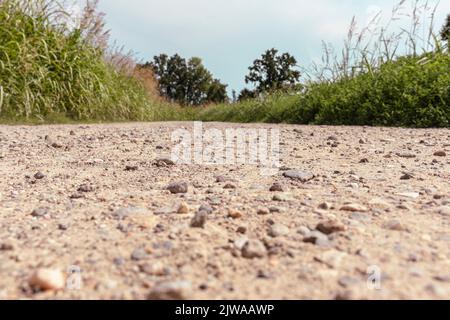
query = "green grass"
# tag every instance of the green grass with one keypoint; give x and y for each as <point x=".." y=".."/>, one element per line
<point x="411" y="92"/>
<point x="48" y="72"/>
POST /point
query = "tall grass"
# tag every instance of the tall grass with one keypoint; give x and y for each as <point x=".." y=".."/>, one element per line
<point x="49" y="67"/>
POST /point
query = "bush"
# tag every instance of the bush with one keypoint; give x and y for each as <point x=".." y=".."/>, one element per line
<point x="409" y="92"/>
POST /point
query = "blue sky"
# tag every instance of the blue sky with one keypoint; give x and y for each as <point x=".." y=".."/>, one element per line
<point x="229" y="34"/>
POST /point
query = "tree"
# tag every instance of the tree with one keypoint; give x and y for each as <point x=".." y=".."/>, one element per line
<point x="445" y="33"/>
<point x="187" y="82"/>
<point x="247" y="94"/>
<point x="273" y="71"/>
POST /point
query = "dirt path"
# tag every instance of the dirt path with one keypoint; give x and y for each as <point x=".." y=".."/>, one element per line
<point x="380" y="199"/>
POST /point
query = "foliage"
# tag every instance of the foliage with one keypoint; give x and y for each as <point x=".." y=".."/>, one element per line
<point x="273" y="72"/>
<point x="445" y="32"/>
<point x="49" y="68"/>
<point x="187" y="82"/>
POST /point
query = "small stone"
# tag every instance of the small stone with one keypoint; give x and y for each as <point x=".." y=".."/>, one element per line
<point x="139" y="254"/>
<point x="278" y="230"/>
<point x="364" y="160"/>
<point x="85" y="188"/>
<point x="240" y="243"/>
<point x="48" y="279"/>
<point x="354" y="207"/>
<point x="199" y="219"/>
<point x="412" y="195"/>
<point x="277" y="187"/>
<point x="242" y="230"/>
<point x="440" y="153"/>
<point x="405" y="155"/>
<point x="281" y="197"/>
<point x="39" y="175"/>
<point x="254" y="249"/>
<point x="207" y="208"/>
<point x="164" y="162"/>
<point x="263" y="211"/>
<point x="406" y="176"/>
<point x="56" y="145"/>
<point x="6" y="247"/>
<point x="394" y="225"/>
<point x="178" y="187"/>
<point x="183" y="208"/>
<point x="229" y="186"/>
<point x="131" y="168"/>
<point x="302" y="176"/>
<point x="303" y="230"/>
<point x="325" y="206"/>
<point x="154" y="269"/>
<point x="39" y="212"/>
<point x="176" y="290"/>
<point x="330" y="226"/>
<point x="235" y="214"/>
<point x="316" y="237"/>
<point x="444" y="210"/>
<point x="332" y="258"/>
<point x="124" y="213"/>
<point x="63" y="226"/>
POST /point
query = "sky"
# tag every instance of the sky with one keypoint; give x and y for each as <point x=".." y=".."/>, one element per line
<point x="230" y="34"/>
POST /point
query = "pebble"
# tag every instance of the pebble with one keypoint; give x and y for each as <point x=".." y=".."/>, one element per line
<point x="178" y="187"/>
<point x="280" y="197"/>
<point x="332" y="258"/>
<point x="123" y="213"/>
<point x="207" y="208"/>
<point x="235" y="214"/>
<point x="183" y="208"/>
<point x="325" y="206"/>
<point x="317" y="238"/>
<point x="278" y="230"/>
<point x="154" y="269"/>
<point x="395" y="225"/>
<point x="48" y="279"/>
<point x="240" y="243"/>
<point x="39" y="212"/>
<point x="440" y="153"/>
<point x="330" y="226"/>
<point x="302" y="176"/>
<point x="277" y="187"/>
<point x="175" y="290"/>
<point x="412" y="195"/>
<point x="254" y="249"/>
<point x="406" y="176"/>
<point x="405" y="155"/>
<point x="229" y="186"/>
<point x="39" y="175"/>
<point x="85" y="188"/>
<point x="354" y="207"/>
<point x="131" y="168"/>
<point x="139" y="254"/>
<point x="263" y="211"/>
<point x="444" y="210"/>
<point x="164" y="162"/>
<point x="199" y="219"/>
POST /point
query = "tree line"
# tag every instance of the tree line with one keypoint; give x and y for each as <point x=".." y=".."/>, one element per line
<point x="189" y="83"/>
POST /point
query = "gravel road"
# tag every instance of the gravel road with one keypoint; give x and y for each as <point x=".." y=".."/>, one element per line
<point x="101" y="212"/>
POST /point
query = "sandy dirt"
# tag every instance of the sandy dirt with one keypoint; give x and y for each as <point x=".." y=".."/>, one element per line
<point x="93" y="199"/>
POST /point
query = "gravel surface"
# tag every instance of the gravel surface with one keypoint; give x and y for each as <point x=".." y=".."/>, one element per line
<point x="104" y="209"/>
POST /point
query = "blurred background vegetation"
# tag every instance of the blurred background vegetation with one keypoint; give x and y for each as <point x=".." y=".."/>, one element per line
<point x="53" y="70"/>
